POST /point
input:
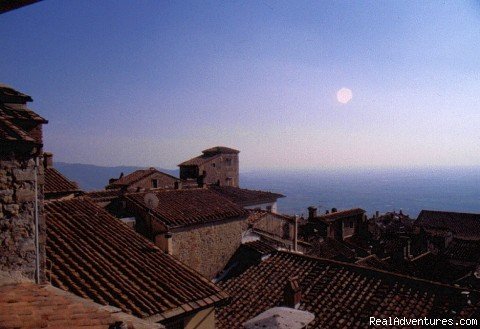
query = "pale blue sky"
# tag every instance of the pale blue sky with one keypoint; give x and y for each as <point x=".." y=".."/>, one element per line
<point x="155" y="82"/>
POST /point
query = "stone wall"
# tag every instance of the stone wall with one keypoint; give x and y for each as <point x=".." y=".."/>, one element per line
<point x="209" y="247"/>
<point x="163" y="181"/>
<point x="17" y="212"/>
<point x="220" y="168"/>
<point x="275" y="225"/>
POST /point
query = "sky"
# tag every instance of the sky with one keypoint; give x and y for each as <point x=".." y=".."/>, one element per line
<point x="291" y="84"/>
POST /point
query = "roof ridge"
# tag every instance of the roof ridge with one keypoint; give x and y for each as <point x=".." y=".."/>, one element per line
<point x="378" y="271"/>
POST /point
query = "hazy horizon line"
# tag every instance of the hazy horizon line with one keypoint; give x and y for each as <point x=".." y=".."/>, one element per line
<point x="294" y="169"/>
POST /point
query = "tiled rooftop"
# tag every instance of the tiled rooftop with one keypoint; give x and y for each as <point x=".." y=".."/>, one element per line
<point x="340" y="295"/>
<point x="104" y="195"/>
<point x="244" y="197"/>
<point x="331" y="249"/>
<point x="178" y="208"/>
<point x="13" y="117"/>
<point x="25" y="305"/>
<point x="341" y="214"/>
<point x="137" y="176"/>
<point x="55" y="182"/>
<point x="220" y="149"/>
<point x="464" y="250"/>
<point x="96" y="256"/>
<point x="462" y="225"/>
<point x="201" y="159"/>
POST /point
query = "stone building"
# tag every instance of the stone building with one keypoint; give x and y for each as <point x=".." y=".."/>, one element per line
<point x="22" y="229"/>
<point x="197" y="226"/>
<point x="150" y="178"/>
<point x="338" y="225"/>
<point x="218" y="165"/>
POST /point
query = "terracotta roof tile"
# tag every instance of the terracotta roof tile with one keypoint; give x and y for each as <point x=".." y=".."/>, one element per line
<point x="96" y="256"/>
<point x="462" y="225"/>
<point x="341" y="214"/>
<point x="55" y="182"/>
<point x="26" y="305"/>
<point x="464" y="250"/>
<point x="201" y="159"/>
<point x="104" y="195"/>
<point x="14" y="118"/>
<point x="178" y="208"/>
<point x="220" y="149"/>
<point x="340" y="295"/>
<point x="245" y="197"/>
<point x="138" y="175"/>
<point x="330" y="249"/>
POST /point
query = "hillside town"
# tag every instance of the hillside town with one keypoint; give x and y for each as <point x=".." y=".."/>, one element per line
<point x="152" y="250"/>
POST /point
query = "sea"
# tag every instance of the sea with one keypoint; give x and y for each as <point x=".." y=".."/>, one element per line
<point x="409" y="190"/>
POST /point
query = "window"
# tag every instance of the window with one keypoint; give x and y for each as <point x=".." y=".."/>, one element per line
<point x="228" y="161"/>
<point x="213" y="164"/>
<point x="155" y="183"/>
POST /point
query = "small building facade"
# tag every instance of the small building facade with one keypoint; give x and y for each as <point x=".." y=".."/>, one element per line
<point x="197" y="226"/>
<point x="338" y="225"/>
<point x="218" y="165"/>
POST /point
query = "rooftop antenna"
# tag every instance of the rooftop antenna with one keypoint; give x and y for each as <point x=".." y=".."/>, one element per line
<point x="151" y="201"/>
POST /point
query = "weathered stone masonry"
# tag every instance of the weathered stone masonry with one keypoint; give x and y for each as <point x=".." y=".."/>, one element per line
<point x="207" y="248"/>
<point x="17" y="213"/>
<point x="20" y="144"/>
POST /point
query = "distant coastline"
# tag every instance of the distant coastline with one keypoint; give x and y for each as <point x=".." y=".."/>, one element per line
<point x="452" y="189"/>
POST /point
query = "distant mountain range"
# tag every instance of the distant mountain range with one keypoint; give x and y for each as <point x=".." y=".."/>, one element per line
<point x="91" y="177"/>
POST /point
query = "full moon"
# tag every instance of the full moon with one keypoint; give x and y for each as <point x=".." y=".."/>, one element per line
<point x="344" y="95"/>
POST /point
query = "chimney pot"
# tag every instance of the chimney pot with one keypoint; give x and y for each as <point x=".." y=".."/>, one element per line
<point x="292" y="293"/>
<point x="177" y="185"/>
<point x="377" y="214"/>
<point x="312" y="212"/>
<point x="47" y="160"/>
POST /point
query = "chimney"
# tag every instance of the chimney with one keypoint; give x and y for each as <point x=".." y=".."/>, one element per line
<point x="177" y="185"/>
<point x="295" y="234"/>
<point x="292" y="294"/>
<point x="312" y="212"/>
<point x="164" y="242"/>
<point x="334" y="210"/>
<point x="169" y="243"/>
<point x="47" y="160"/>
<point x="377" y="214"/>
